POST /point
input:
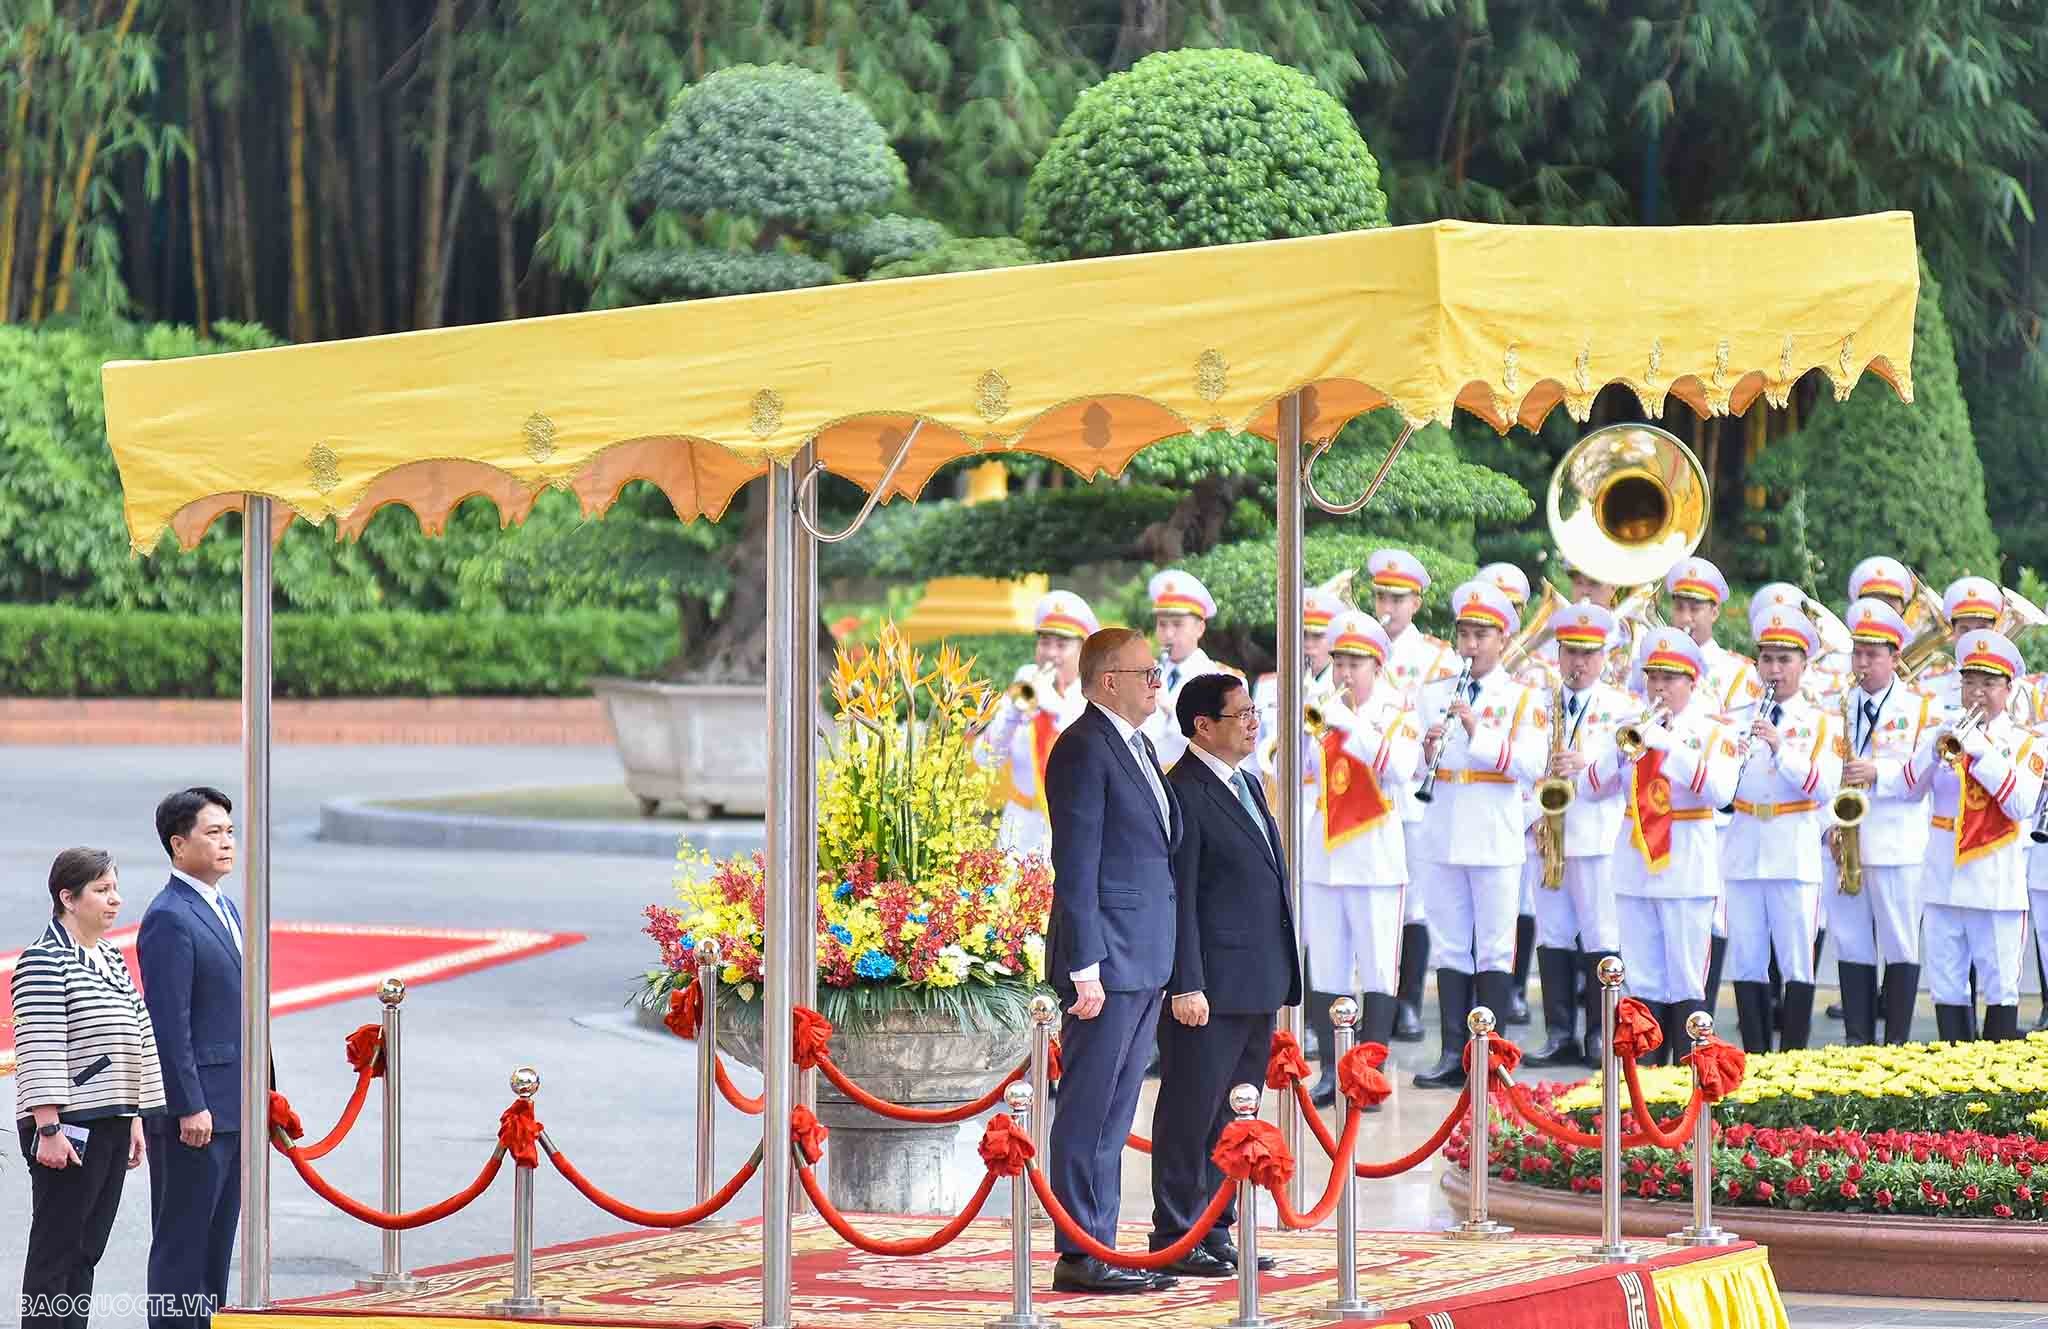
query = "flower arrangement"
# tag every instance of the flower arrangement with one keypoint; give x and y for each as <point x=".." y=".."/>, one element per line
<point x="1944" y="1173"/>
<point x="917" y="906"/>
<point x="2000" y="1088"/>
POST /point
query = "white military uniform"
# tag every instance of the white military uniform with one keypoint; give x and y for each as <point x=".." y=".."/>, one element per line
<point x="1976" y="908"/>
<point x="1012" y="742"/>
<point x="1771" y="853"/>
<point x="1666" y="914"/>
<point x="1581" y="910"/>
<point x="1471" y="838"/>
<point x="1163" y="725"/>
<point x="1417" y="659"/>
<point x="1881" y="923"/>
<point x="1352" y="889"/>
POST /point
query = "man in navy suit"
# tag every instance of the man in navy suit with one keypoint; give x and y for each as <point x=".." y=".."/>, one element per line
<point x="1109" y="943"/>
<point x="191" y="954"/>
<point x="1236" y="962"/>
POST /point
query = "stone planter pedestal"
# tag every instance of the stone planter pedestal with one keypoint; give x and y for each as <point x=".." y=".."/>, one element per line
<point x="874" y="1164"/>
<point x="696" y="744"/>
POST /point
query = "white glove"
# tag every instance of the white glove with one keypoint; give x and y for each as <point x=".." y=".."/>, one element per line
<point x="1656" y="738"/>
<point x="1976" y="743"/>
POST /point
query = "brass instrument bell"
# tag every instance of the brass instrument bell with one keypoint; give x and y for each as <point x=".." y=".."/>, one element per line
<point x="1626" y="503"/>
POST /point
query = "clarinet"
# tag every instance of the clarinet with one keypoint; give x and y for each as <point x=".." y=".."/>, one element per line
<point x="1426" y="791"/>
<point x="1749" y="739"/>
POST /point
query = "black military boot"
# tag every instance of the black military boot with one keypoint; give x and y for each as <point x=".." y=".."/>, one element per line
<point x="1525" y="950"/>
<point x="1317" y="1014"/>
<point x="1952" y="1023"/>
<point x="1453" y="999"/>
<point x="1901" y="994"/>
<point x="1408" y="996"/>
<point x="1376" y="1024"/>
<point x="1560" y="1013"/>
<point x="1859" y="1003"/>
<point x="2001" y="1023"/>
<point x="1796" y="1020"/>
<point x="1753" y="1015"/>
<point x="1717" y="952"/>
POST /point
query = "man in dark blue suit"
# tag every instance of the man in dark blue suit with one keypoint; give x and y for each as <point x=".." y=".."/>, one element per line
<point x="1109" y="944"/>
<point x="191" y="954"/>
<point x="1236" y="961"/>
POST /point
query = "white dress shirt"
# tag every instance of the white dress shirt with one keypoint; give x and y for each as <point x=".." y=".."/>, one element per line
<point x="211" y="895"/>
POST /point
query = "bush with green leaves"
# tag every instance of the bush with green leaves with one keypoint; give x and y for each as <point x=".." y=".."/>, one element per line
<point x="2007" y="410"/>
<point x="52" y="651"/>
<point x="888" y="239"/>
<point x="1876" y="476"/>
<point x="958" y="255"/>
<point x="1201" y="147"/>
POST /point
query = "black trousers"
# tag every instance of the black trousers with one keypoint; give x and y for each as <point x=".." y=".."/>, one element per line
<point x="1197" y="1068"/>
<point x="67" y="1234"/>
<point x="195" y="1201"/>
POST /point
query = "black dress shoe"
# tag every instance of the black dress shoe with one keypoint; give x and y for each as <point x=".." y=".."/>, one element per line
<point x="1227" y="1253"/>
<point x="1201" y="1262"/>
<point x="1085" y="1273"/>
<point x="1557" y="1050"/>
<point x="1835" y="1011"/>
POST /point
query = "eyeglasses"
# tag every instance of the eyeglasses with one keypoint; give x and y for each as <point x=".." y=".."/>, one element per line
<point x="1153" y="676"/>
<point x="1248" y="713"/>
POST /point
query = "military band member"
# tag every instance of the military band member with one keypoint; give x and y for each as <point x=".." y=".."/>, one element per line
<point x="1972" y="604"/>
<point x="2037" y="900"/>
<point x="1667" y="871"/>
<point x="1575" y="922"/>
<point x="1880" y="923"/>
<point x="1485" y="736"/>
<point x="1728" y="684"/>
<point x="1826" y="672"/>
<point x="1585" y="589"/>
<point x="1181" y="610"/>
<point x="1883" y="579"/>
<point x="1044" y="699"/>
<point x="1354" y="858"/>
<point x="1540" y="674"/>
<point x="1771" y="854"/>
<point x="1318" y="608"/>
<point x="1984" y="794"/>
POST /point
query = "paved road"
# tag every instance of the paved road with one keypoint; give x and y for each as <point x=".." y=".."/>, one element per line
<point x="615" y="1098"/>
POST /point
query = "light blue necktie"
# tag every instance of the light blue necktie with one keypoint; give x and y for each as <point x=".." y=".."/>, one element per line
<point x="1242" y="785"/>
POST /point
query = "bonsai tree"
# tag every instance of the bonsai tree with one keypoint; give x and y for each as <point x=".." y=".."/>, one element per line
<point x="1199" y="147"/>
<point x="1871" y="475"/>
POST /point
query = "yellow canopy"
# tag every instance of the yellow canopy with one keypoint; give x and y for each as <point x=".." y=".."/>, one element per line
<point x="1084" y="362"/>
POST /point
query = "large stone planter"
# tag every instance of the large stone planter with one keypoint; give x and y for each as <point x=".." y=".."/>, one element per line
<point x="702" y="745"/>
<point x="1965" y="1258"/>
<point x="873" y="1164"/>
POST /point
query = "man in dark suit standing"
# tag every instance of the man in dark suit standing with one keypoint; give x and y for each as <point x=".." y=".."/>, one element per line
<point x="1236" y="962"/>
<point x="1109" y="943"/>
<point x="191" y="954"/>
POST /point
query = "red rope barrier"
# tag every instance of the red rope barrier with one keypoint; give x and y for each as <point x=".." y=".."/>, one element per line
<point x="1332" y="1192"/>
<point x="327" y="1143"/>
<point x="924" y="1245"/>
<point x="663" y="1218"/>
<point x="1139" y="1143"/>
<point x="1548" y="1125"/>
<point x="1394" y="1167"/>
<point x="753" y="1107"/>
<point x="931" y="1116"/>
<point x="1648" y="1129"/>
<point x="412" y="1218"/>
<point x="1158" y="1259"/>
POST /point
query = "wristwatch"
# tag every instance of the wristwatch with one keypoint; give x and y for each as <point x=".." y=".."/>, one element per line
<point x="47" y="1131"/>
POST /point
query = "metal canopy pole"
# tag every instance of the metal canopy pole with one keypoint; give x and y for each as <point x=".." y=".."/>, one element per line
<point x="1287" y="620"/>
<point x="788" y="729"/>
<point x="255" y="856"/>
<point x="803" y="779"/>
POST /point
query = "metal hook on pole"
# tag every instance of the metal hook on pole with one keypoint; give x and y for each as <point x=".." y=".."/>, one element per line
<point x="1315" y="496"/>
<point x="803" y="491"/>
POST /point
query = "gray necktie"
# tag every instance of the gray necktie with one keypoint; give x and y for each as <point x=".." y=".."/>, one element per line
<point x="1149" y="764"/>
<point x="1241" y="784"/>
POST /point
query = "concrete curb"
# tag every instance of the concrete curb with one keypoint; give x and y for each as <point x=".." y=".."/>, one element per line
<point x="365" y="822"/>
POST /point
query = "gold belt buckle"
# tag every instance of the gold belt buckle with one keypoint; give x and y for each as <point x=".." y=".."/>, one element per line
<point x="1764" y="811"/>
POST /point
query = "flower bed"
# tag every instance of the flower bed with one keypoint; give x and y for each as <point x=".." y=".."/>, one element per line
<point x="1958" y="1173"/>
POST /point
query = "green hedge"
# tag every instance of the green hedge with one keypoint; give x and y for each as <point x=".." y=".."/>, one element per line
<point x="47" y="651"/>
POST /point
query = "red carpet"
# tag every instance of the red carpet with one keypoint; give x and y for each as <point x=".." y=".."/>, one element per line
<point x="712" y="1280"/>
<point x="314" y="964"/>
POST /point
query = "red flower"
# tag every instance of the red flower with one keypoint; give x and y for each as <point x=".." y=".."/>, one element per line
<point x="1970" y="1192"/>
<point x="1579" y="1184"/>
<point x="1509" y="1174"/>
<point x="2026" y="1193"/>
<point x="1798" y="1186"/>
<point x="1764" y="1190"/>
<point x="1884" y="1198"/>
<point x="1749" y="1161"/>
<point x="2024" y="1168"/>
<point x="1734" y="1190"/>
<point x="1656" y="1172"/>
<point x="1824" y="1172"/>
<point x="1673" y="1188"/>
<point x="1647" y="1190"/>
<point x="1849" y="1191"/>
<point x="1855" y="1172"/>
<point x="2001" y="1211"/>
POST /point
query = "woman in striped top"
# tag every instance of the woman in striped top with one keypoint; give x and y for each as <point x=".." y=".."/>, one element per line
<point x="86" y="1074"/>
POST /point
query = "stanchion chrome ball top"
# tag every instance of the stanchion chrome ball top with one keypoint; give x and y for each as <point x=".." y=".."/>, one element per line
<point x="1479" y="1021"/>
<point x="1044" y="1010"/>
<point x="526" y="1082"/>
<point x="1344" y="1012"/>
<point x="1017" y="1098"/>
<point x="1699" y="1026"/>
<point x="1611" y="971"/>
<point x="1244" y="1100"/>
<point x="391" y="991"/>
<point x="707" y="951"/>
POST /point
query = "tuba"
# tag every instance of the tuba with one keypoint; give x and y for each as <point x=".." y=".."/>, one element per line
<point x="1554" y="794"/>
<point x="1626" y="502"/>
<point x="1534" y="632"/>
<point x="2020" y="613"/>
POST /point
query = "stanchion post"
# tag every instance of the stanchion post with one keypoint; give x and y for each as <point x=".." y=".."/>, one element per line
<point x="392" y="1277"/>
<point x="1611" y="1250"/>
<point x="709" y="959"/>
<point x="1477" y="1226"/>
<point x="522" y="1302"/>
<point x="1018" y="1098"/>
<point x="1244" y="1103"/>
<point x="1348" y="1305"/>
<point x="1045" y="1013"/>
<point x="1702" y="1231"/>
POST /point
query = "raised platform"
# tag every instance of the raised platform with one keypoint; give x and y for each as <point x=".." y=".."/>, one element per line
<point x="1426" y="1280"/>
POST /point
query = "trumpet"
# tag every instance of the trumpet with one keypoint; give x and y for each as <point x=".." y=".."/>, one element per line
<point x="1426" y="791"/>
<point x="1027" y="693"/>
<point x="1313" y="720"/>
<point x="1949" y="747"/>
<point x="1553" y="795"/>
<point x="1629" y="739"/>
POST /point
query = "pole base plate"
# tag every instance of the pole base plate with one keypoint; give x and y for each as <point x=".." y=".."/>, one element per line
<point x="522" y="1306"/>
<point x="1714" y="1235"/>
<point x="1484" y="1229"/>
<point x="1610" y="1255"/>
<point x="1031" y="1320"/>
<point x="1357" y="1308"/>
<point x="389" y="1283"/>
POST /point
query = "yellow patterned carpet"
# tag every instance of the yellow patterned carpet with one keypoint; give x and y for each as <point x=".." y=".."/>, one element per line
<point x="670" y="1280"/>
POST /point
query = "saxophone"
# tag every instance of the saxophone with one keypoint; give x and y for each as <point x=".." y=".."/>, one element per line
<point x="1553" y="795"/>
<point x="1848" y="809"/>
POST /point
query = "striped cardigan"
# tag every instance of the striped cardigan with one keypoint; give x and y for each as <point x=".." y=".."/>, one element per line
<point x="83" y="1042"/>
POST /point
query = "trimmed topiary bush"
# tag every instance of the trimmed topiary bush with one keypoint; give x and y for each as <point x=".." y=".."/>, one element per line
<point x="1200" y="147"/>
<point x="959" y="256"/>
